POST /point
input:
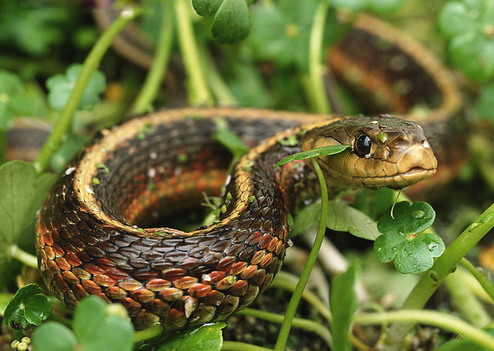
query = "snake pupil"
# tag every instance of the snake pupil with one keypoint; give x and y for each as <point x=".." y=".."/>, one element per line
<point x="362" y="145"/>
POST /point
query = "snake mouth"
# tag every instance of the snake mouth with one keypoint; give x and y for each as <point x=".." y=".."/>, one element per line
<point x="417" y="169"/>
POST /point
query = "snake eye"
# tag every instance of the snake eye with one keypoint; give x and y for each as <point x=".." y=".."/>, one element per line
<point x="362" y="145"/>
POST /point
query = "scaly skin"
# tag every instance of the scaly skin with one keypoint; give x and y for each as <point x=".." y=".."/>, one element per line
<point x="95" y="233"/>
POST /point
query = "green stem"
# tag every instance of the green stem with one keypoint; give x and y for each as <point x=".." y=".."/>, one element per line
<point x="149" y="333"/>
<point x="318" y="94"/>
<point x="300" y="323"/>
<point x="480" y="276"/>
<point x="283" y="281"/>
<point x="304" y="277"/>
<point x="3" y="146"/>
<point x="92" y="61"/>
<point x="144" y="100"/>
<point x="240" y="346"/>
<point x="442" y="320"/>
<point x="219" y="88"/>
<point x="199" y="93"/>
<point x="23" y="256"/>
<point x="465" y="299"/>
<point x="443" y="266"/>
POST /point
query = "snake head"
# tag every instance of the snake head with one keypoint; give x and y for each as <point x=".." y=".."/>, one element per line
<point x="385" y="152"/>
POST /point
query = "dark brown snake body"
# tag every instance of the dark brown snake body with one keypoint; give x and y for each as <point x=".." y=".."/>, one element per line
<point x="95" y="234"/>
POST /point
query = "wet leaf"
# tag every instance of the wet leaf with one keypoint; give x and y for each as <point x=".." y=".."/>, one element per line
<point x="27" y="307"/>
<point x="403" y="239"/>
<point x="407" y="218"/>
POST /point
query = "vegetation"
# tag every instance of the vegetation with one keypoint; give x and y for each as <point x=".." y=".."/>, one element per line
<point x="58" y="69"/>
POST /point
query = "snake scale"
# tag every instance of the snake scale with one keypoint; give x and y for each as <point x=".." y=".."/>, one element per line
<point x="96" y="232"/>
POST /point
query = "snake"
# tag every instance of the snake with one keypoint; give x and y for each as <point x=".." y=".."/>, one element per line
<point x="101" y="230"/>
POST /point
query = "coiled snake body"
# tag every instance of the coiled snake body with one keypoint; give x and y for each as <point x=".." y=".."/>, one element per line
<point x="95" y="234"/>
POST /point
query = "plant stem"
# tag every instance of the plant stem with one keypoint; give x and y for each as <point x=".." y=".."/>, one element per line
<point x="464" y="299"/>
<point x="199" y="93"/>
<point x="149" y="333"/>
<point x="300" y="323"/>
<point x="442" y="320"/>
<point x="23" y="256"/>
<point x="304" y="277"/>
<point x="240" y="346"/>
<point x="219" y="88"/>
<point x="92" y="61"/>
<point x="150" y="88"/>
<point x="283" y="281"/>
<point x="480" y="276"/>
<point x="443" y="266"/>
<point x="318" y="94"/>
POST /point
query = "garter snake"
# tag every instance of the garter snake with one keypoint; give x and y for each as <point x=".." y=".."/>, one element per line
<point x="94" y="234"/>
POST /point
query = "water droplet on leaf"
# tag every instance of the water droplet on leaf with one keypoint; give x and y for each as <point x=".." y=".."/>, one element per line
<point x="418" y="214"/>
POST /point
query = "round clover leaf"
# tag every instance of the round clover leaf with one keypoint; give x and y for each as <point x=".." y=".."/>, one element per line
<point x="403" y="239"/>
<point x="28" y="306"/>
<point x="61" y="86"/>
<point x="96" y="326"/>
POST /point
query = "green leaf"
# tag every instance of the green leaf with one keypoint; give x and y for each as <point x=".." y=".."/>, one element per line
<point x="282" y="32"/>
<point x="231" y="23"/>
<point x="205" y="338"/>
<point x="22" y="192"/>
<point x="412" y="251"/>
<point x="474" y="55"/>
<point x="485" y="103"/>
<point x="27" y="307"/>
<point x="61" y="86"/>
<point x="353" y="5"/>
<point x="206" y="7"/>
<point x="469" y="24"/>
<point x="344" y="218"/>
<point x="245" y="75"/>
<point x="385" y="7"/>
<point x="343" y="302"/>
<point x="407" y="218"/>
<point x="229" y="139"/>
<point x="457" y="18"/>
<point x="11" y="93"/>
<point x="374" y="203"/>
<point x="319" y="151"/>
<point x="32" y="26"/>
<point x="97" y="329"/>
<point x="305" y="218"/>
<point x="53" y="336"/>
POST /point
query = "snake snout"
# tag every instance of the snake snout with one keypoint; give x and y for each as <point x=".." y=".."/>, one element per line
<point x="417" y="163"/>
